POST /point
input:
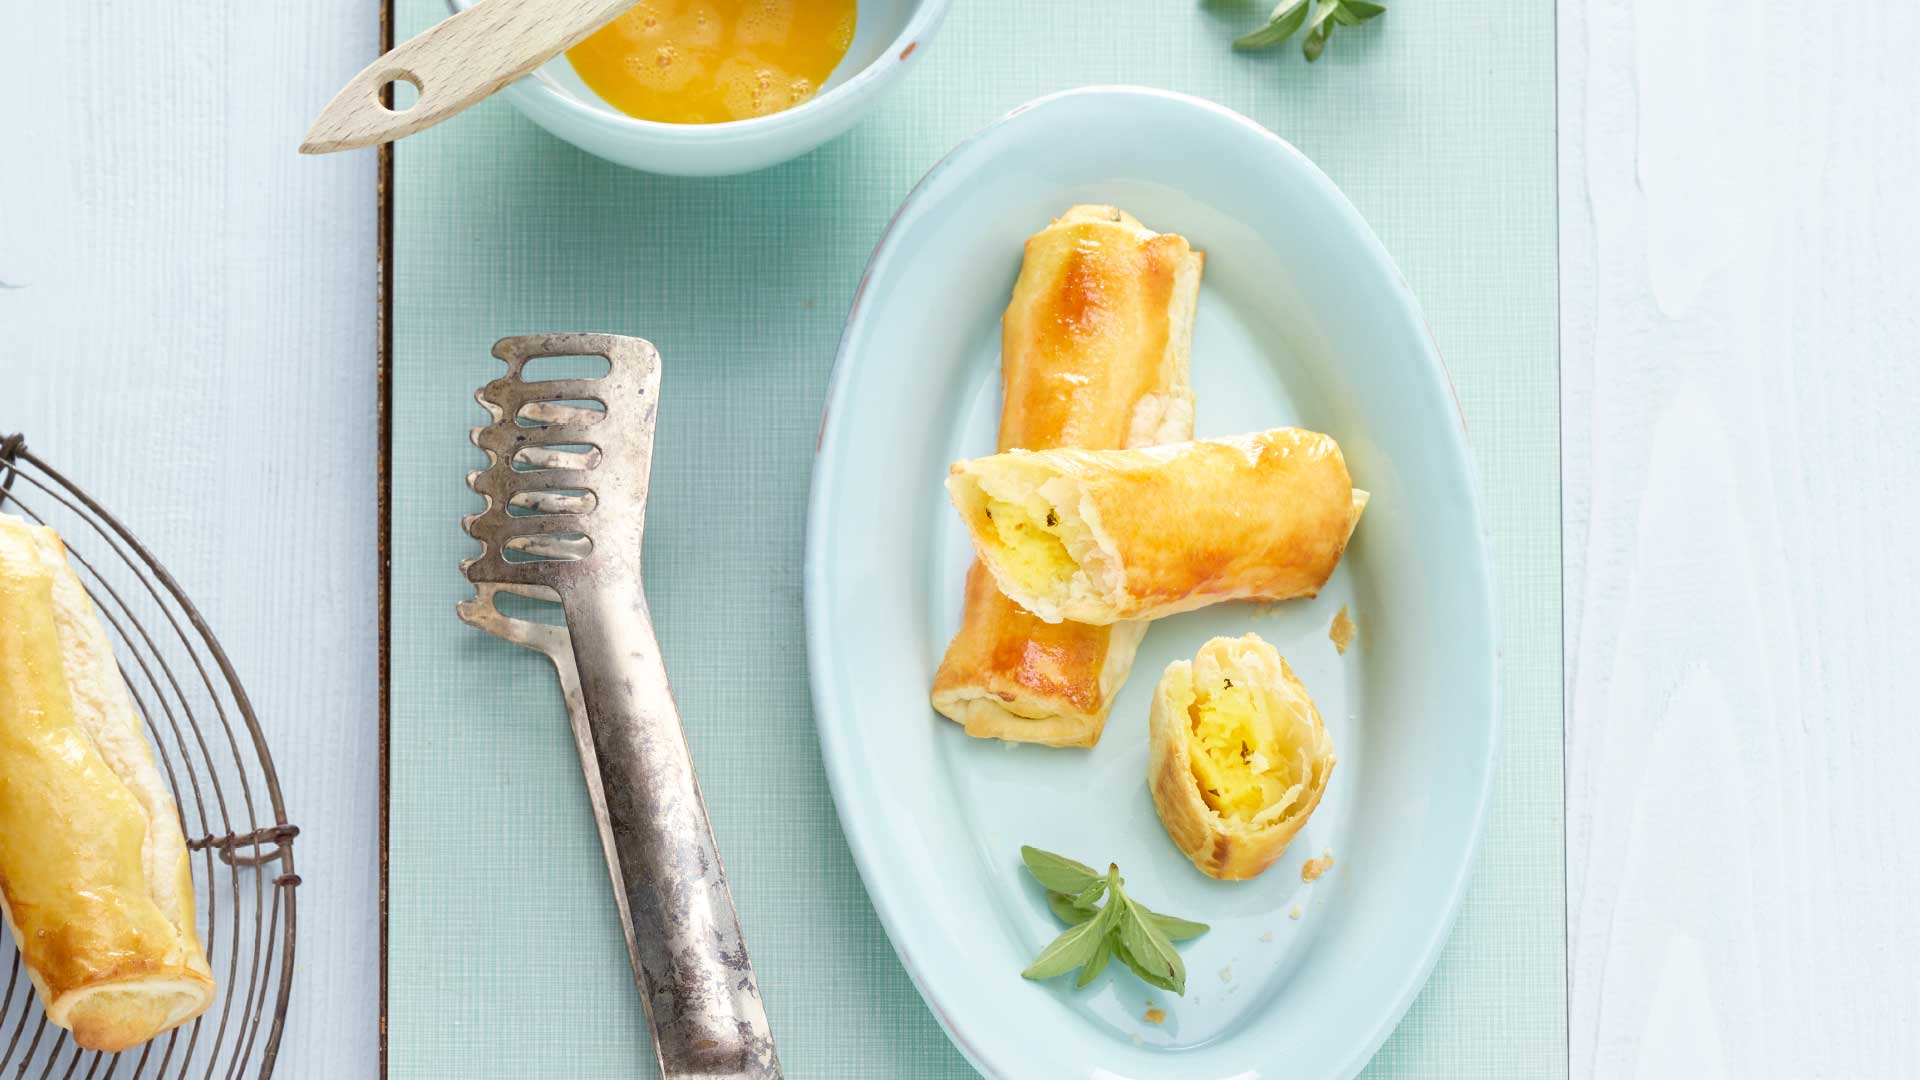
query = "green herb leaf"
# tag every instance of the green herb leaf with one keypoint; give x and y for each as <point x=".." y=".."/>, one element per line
<point x="1165" y="951"/>
<point x="1286" y="18"/>
<point x="1318" y="17"/>
<point x="1137" y="939"/>
<point x="1071" y="949"/>
<point x="1150" y="947"/>
<point x="1316" y="41"/>
<point x="1141" y="937"/>
<point x="1164" y="982"/>
<point x="1069" y="909"/>
<point x="1175" y="929"/>
<point x="1059" y="873"/>
<point x="1092" y="969"/>
<point x="1355" y="12"/>
<point x="1319" y="29"/>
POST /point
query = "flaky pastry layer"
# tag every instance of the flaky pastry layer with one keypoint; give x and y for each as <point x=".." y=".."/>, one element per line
<point x="1238" y="757"/>
<point x="1105" y="536"/>
<point x="1094" y="353"/>
<point x="94" y="879"/>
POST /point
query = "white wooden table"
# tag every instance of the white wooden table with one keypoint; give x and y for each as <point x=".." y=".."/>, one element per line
<point x="1740" y="282"/>
<point x="187" y="329"/>
<point x="1740" y="270"/>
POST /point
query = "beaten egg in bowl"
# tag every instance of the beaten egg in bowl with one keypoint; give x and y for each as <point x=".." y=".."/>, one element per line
<point x="712" y="61"/>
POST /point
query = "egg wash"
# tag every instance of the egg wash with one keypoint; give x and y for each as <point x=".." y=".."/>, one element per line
<point x="711" y="61"/>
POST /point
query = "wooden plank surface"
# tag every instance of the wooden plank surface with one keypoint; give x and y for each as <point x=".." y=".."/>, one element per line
<point x="188" y="322"/>
<point x="1740" y="247"/>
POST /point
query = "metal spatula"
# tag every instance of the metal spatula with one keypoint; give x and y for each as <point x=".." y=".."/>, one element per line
<point x="565" y="525"/>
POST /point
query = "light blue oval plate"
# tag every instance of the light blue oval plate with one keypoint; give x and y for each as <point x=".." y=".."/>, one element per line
<point x="1303" y="320"/>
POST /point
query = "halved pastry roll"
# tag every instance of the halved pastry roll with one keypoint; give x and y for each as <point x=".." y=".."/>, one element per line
<point x="94" y="879"/>
<point x="1093" y="354"/>
<point x="1103" y="536"/>
<point x="1237" y="756"/>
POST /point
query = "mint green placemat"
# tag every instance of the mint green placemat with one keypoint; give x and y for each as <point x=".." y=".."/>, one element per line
<point x="505" y="957"/>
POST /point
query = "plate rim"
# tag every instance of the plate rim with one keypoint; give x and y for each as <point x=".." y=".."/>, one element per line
<point x="818" y="641"/>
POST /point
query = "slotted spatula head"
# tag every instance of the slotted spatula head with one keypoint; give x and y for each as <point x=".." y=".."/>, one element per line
<point x="577" y="475"/>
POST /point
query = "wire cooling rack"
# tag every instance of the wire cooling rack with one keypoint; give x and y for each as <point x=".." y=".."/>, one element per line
<point x="216" y="760"/>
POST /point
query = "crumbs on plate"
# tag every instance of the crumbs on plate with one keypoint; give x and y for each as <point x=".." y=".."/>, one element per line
<point x="1312" y="869"/>
<point x="1294" y="912"/>
<point x="1155" y="1016"/>
<point x="1343" y="631"/>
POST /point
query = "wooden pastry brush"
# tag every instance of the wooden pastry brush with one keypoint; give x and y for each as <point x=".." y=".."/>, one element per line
<point x="457" y="63"/>
<point x="565" y="525"/>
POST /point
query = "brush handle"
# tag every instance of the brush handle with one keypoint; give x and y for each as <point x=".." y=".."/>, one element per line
<point x="457" y="63"/>
<point x="683" y="934"/>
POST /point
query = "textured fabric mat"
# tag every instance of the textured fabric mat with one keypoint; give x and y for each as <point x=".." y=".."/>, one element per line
<point x="505" y="956"/>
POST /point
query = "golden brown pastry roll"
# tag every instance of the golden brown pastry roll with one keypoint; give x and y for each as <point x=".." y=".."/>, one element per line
<point x="94" y="880"/>
<point x="1100" y="536"/>
<point x="1093" y="354"/>
<point x="1237" y="756"/>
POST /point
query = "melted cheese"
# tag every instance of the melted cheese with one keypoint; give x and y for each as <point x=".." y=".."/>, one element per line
<point x="1034" y="552"/>
<point x="1247" y="758"/>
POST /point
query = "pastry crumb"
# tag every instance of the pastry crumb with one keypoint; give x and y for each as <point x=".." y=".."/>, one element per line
<point x="1155" y="1016"/>
<point x="1268" y="936"/>
<point x="1312" y="869"/>
<point x="1137" y="1040"/>
<point x="1294" y="913"/>
<point x="1343" y="631"/>
<point x="1226" y="973"/>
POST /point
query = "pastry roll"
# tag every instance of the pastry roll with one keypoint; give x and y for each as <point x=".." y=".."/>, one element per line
<point x="1103" y="536"/>
<point x="1237" y="756"/>
<point x="94" y="880"/>
<point x="1093" y="354"/>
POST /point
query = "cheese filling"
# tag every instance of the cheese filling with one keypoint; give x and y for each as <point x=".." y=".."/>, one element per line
<point x="1033" y="552"/>
<point x="1250" y="759"/>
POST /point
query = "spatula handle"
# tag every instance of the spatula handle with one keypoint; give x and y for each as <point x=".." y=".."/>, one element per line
<point x="682" y="931"/>
<point x="455" y="64"/>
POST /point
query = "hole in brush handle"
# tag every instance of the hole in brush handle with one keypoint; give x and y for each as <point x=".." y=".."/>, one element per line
<point x="399" y="91"/>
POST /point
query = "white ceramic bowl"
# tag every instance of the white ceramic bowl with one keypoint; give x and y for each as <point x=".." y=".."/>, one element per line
<point x="889" y="35"/>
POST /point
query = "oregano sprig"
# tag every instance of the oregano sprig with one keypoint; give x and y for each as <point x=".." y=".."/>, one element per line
<point x="1319" y="17"/>
<point x="1096" y="933"/>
